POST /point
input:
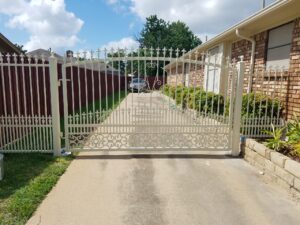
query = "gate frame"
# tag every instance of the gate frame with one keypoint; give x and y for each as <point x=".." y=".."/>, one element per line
<point x="54" y="84"/>
<point x="235" y="106"/>
<point x="237" y="111"/>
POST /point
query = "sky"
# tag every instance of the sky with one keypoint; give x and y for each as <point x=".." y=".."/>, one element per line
<point x="91" y="24"/>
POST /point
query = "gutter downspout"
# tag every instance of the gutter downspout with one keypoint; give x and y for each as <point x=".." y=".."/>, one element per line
<point x="253" y="42"/>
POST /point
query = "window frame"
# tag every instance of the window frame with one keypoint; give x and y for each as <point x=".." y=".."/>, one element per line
<point x="283" y="45"/>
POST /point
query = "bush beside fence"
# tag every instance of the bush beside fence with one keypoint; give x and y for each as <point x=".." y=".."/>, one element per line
<point x="259" y="111"/>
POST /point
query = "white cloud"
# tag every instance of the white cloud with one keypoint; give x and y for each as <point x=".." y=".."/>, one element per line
<point x="131" y="25"/>
<point x="111" y="2"/>
<point x="127" y="42"/>
<point x="120" y="6"/>
<point x="47" y="22"/>
<point x="8" y="8"/>
<point x="202" y="16"/>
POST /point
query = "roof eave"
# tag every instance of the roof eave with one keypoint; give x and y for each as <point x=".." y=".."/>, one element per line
<point x="243" y="23"/>
<point x="222" y="36"/>
<point x="10" y="44"/>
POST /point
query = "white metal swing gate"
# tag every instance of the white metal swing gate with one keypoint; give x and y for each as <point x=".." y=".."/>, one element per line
<point x="169" y="110"/>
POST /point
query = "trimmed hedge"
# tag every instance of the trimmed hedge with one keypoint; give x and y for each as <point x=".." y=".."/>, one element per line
<point x="258" y="105"/>
<point x="253" y="105"/>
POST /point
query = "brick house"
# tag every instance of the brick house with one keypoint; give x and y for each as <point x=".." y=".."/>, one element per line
<point x="7" y="47"/>
<point x="268" y="39"/>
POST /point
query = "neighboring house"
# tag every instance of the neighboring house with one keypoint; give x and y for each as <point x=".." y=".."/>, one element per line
<point x="39" y="53"/>
<point x="89" y="65"/>
<point x="270" y="39"/>
<point x="7" y="47"/>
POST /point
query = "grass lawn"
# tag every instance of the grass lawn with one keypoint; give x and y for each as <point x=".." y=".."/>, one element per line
<point x="28" y="179"/>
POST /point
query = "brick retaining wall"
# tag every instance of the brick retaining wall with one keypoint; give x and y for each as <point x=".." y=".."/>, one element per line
<point x="281" y="169"/>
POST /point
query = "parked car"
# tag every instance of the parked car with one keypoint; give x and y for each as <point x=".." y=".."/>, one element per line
<point x="137" y="84"/>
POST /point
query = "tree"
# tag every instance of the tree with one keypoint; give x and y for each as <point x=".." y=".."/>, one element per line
<point x="159" y="33"/>
<point x="154" y="33"/>
<point x="21" y="48"/>
<point x="119" y="64"/>
<point x="180" y="36"/>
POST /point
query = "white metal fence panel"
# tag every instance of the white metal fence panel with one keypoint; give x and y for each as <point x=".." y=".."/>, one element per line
<point x="25" y="112"/>
<point x="265" y="93"/>
<point x="121" y="100"/>
<point x="144" y="99"/>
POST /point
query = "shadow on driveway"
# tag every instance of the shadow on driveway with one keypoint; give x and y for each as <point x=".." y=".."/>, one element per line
<point x="152" y="156"/>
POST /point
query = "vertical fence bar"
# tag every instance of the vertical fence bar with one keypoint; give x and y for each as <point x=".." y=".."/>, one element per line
<point x="66" y="106"/>
<point x="237" y="110"/>
<point x="55" y="106"/>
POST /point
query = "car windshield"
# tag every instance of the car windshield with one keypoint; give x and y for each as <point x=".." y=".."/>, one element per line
<point x="137" y="80"/>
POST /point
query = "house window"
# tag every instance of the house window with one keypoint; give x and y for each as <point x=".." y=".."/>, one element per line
<point x="279" y="46"/>
<point x="212" y="73"/>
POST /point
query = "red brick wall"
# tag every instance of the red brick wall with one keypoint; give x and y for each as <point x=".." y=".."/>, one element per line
<point x="282" y="85"/>
<point x="286" y="85"/>
<point x="293" y="105"/>
<point x="243" y="48"/>
<point x="196" y="76"/>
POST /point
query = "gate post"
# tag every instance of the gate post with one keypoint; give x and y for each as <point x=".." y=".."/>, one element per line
<point x="236" y="122"/>
<point x="55" y="106"/>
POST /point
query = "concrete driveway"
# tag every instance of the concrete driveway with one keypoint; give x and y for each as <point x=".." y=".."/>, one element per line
<point x="161" y="189"/>
<point x="152" y="121"/>
<point x="164" y="190"/>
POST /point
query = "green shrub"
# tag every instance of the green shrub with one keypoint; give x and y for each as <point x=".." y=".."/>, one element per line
<point x="253" y="105"/>
<point x="206" y="102"/>
<point x="169" y="90"/>
<point x="289" y="147"/>
<point x="297" y="149"/>
<point x="259" y="105"/>
<point x="276" y="141"/>
<point x="293" y="135"/>
<point x="181" y="96"/>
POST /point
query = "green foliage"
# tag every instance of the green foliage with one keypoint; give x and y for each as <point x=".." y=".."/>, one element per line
<point x="206" y="102"/>
<point x="293" y="133"/>
<point x="118" y="65"/>
<point x="21" y="48"/>
<point x="28" y="179"/>
<point x="180" y="36"/>
<point x="169" y="90"/>
<point x="141" y="66"/>
<point x="253" y="105"/>
<point x="154" y="33"/>
<point x="259" y="105"/>
<point x="276" y="142"/>
<point x="195" y="98"/>
<point x="159" y="33"/>
<point x="297" y="149"/>
<point x="292" y="145"/>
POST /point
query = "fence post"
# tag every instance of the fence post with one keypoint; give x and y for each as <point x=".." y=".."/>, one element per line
<point x="238" y="109"/>
<point x="55" y="106"/>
